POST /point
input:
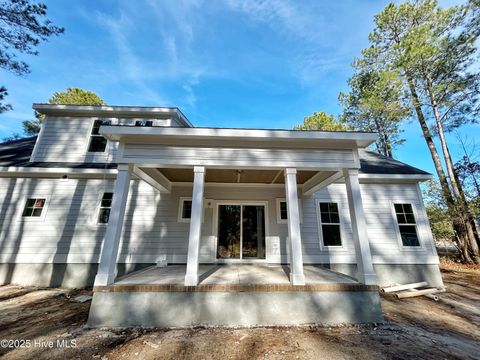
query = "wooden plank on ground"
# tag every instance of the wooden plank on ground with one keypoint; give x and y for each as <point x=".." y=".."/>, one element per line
<point x="404" y="287"/>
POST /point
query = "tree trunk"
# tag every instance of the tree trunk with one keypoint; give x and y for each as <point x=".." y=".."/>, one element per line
<point x="388" y="144"/>
<point x="457" y="222"/>
<point x="384" y="146"/>
<point x="462" y="205"/>
<point x="431" y="145"/>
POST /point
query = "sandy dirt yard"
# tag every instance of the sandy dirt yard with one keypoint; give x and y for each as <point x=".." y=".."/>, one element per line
<point x="416" y="328"/>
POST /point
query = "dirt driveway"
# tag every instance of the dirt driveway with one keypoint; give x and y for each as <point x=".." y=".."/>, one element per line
<point x="414" y="328"/>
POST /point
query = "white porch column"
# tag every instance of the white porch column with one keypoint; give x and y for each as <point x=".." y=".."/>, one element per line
<point x="191" y="277"/>
<point x="296" y="263"/>
<point x="107" y="268"/>
<point x="366" y="273"/>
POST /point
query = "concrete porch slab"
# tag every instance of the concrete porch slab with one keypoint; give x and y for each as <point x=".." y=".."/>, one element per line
<point x="233" y="295"/>
<point x="235" y="274"/>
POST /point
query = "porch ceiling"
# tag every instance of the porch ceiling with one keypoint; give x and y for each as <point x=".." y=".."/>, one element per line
<point x="237" y="176"/>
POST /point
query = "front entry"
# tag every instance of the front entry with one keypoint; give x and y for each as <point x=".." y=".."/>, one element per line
<point x="241" y="231"/>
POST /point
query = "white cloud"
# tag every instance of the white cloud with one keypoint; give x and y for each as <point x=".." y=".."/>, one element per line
<point x="168" y="58"/>
<point x="315" y="50"/>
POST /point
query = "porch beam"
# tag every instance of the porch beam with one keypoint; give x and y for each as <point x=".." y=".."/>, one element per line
<point x="365" y="272"/>
<point x="296" y="263"/>
<point x="107" y="271"/>
<point x="191" y="276"/>
<point x="154" y="178"/>
<point x="316" y="183"/>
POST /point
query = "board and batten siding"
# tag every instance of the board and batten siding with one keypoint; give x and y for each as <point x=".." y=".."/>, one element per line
<point x="69" y="232"/>
<point x="66" y="139"/>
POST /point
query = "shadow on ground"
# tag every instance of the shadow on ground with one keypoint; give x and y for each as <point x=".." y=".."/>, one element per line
<point x="415" y="328"/>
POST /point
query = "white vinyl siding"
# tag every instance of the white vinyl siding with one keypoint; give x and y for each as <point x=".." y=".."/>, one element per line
<point x="66" y="139"/>
<point x="69" y="232"/>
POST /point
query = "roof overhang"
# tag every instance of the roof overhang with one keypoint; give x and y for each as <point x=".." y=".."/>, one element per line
<point x="95" y="173"/>
<point x="113" y="111"/>
<point x="319" y="138"/>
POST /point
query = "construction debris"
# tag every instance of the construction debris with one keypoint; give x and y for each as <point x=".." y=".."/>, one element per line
<point x="409" y="294"/>
<point x="82" y="298"/>
<point x="413" y="290"/>
<point x="397" y="287"/>
<point x="430" y="296"/>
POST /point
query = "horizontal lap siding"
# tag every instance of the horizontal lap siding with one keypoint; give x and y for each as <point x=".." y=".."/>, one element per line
<point x="378" y="200"/>
<point x="69" y="231"/>
<point x="68" y="227"/>
<point x="382" y="228"/>
<point x="66" y="140"/>
<point x="184" y="155"/>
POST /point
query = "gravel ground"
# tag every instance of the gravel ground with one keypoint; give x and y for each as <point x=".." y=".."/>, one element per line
<point x="50" y="325"/>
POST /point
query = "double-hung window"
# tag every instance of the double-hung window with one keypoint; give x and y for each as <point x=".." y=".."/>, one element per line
<point x="105" y="207"/>
<point x="407" y="224"/>
<point x="330" y="224"/>
<point x="97" y="142"/>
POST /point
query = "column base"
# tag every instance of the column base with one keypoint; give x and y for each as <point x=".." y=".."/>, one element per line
<point x="104" y="279"/>
<point x="297" y="279"/>
<point x="191" y="280"/>
<point x="368" y="279"/>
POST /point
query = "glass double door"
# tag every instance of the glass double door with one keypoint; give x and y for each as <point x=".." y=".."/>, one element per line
<point x="241" y="232"/>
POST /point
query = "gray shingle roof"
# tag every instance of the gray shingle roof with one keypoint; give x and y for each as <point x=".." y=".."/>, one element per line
<point x="373" y="163"/>
<point x="17" y="153"/>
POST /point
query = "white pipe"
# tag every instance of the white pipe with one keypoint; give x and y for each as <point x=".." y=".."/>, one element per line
<point x="404" y="287"/>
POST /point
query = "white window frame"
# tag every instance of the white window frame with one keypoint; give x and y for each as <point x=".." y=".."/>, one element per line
<point x="107" y="149"/>
<point x="99" y="207"/>
<point x="40" y="218"/>
<point x="324" y="247"/>
<point x="277" y="207"/>
<point x="181" y="201"/>
<point x="135" y="121"/>
<point x="397" y="226"/>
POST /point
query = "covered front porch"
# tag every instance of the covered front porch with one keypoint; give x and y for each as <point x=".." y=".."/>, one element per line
<point x="297" y="164"/>
<point x="300" y="162"/>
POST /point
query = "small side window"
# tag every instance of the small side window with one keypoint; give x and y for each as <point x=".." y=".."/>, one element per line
<point x="407" y="224"/>
<point x="282" y="211"/>
<point x="185" y="210"/>
<point x="34" y="207"/>
<point x="97" y="142"/>
<point x="144" y="123"/>
<point x="105" y="207"/>
<point x="330" y="224"/>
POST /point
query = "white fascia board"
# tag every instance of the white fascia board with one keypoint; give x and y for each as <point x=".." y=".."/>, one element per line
<point x="115" y="133"/>
<point x="396" y="177"/>
<point x="39" y="172"/>
<point x="111" y="111"/>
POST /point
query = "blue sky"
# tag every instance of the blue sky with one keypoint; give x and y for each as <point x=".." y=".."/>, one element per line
<point x="245" y="63"/>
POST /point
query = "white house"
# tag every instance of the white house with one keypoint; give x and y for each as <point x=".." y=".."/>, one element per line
<point x="107" y="191"/>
